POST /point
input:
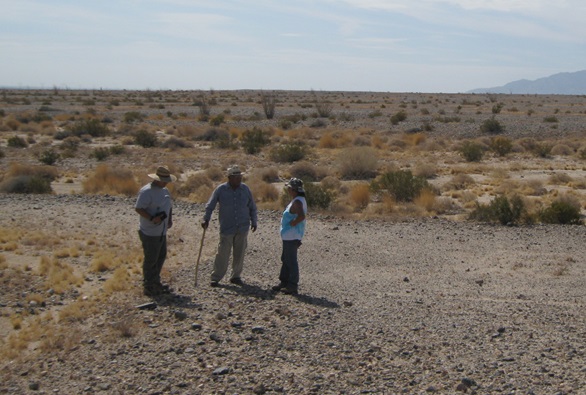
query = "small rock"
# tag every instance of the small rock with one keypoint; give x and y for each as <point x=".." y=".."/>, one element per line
<point x="147" y="306"/>
<point x="221" y="371"/>
<point x="406" y="279"/>
<point x="196" y="327"/>
<point x="180" y="315"/>
<point x="258" y="329"/>
<point x="34" y="386"/>
<point x="348" y="304"/>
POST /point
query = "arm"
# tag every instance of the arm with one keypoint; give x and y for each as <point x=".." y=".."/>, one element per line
<point x="297" y="208"/>
<point x="145" y="214"/>
<point x="253" y="212"/>
<point x="170" y="222"/>
<point x="210" y="207"/>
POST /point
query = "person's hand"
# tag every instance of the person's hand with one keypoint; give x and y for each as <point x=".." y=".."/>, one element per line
<point x="156" y="220"/>
<point x="253" y="228"/>
<point x="205" y="224"/>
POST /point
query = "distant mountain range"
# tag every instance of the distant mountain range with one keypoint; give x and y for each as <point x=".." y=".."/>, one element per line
<point x="557" y="84"/>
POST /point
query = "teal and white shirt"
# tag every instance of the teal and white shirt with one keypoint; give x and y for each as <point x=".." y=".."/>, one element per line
<point x="296" y="232"/>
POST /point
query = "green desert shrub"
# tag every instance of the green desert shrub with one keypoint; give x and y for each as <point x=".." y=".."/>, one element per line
<point x="254" y="140"/>
<point x="17" y="142"/>
<point x="398" y="117"/>
<point x="93" y="127"/>
<point x="471" y="151"/>
<point x="145" y="139"/>
<point x="26" y="184"/>
<point x="402" y="185"/>
<point x="501" y="210"/>
<point x="288" y="153"/>
<point x="492" y="126"/>
<point x="561" y="212"/>
<point x="49" y="157"/>
<point x="100" y="153"/>
<point x="133" y="116"/>
<point x="316" y="196"/>
<point x="175" y="143"/>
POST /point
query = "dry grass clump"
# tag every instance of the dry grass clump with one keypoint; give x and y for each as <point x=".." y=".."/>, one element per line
<point x="267" y="174"/>
<point x="532" y="187"/>
<point x="359" y="195"/>
<point x="214" y="173"/>
<point x="561" y="150"/>
<point x="197" y="187"/>
<point x="426" y="170"/>
<point x="358" y="163"/>
<point x="263" y="191"/>
<point x="425" y="199"/>
<point x="459" y="182"/>
<point x="59" y="276"/>
<point x="558" y="178"/>
<point x="119" y="281"/>
<point x="307" y="171"/>
<point x="108" y="181"/>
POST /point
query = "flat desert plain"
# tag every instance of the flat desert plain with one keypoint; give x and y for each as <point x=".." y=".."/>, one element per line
<point x="396" y="297"/>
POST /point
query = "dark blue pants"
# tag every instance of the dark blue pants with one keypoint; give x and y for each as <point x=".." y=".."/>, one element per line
<point x="155" y="253"/>
<point x="289" y="275"/>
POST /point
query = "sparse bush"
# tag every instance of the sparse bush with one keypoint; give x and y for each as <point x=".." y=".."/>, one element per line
<point x="501" y="145"/>
<point x="318" y="196"/>
<point x="542" y="150"/>
<point x="214" y="134"/>
<point x="398" y="117"/>
<point x="471" y="151"/>
<point x="17" y="142"/>
<point x="500" y="210"/>
<point x="217" y="120"/>
<point x="268" y="105"/>
<point x="92" y="127"/>
<point x="108" y="181"/>
<point x="117" y="149"/>
<point x="561" y="150"/>
<point x="26" y="184"/>
<point x="49" y="157"/>
<point x="551" y="119"/>
<point x="290" y="152"/>
<point x="492" y="126"/>
<point x="193" y="183"/>
<point x="306" y="171"/>
<point x="401" y="185"/>
<point x="145" y="139"/>
<point x="100" y="153"/>
<point x="561" y="212"/>
<point x="133" y="117"/>
<point x="323" y="107"/>
<point x="175" y="143"/>
<point x="254" y="140"/>
<point x="358" y="163"/>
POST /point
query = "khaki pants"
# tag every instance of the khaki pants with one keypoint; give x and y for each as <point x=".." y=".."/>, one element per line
<point x="230" y="243"/>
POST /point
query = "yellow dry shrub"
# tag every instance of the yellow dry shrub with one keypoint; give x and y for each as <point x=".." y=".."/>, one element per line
<point x="360" y="195"/>
<point x="103" y="261"/>
<point x="3" y="263"/>
<point x="263" y="191"/>
<point x="426" y="199"/>
<point x="59" y="276"/>
<point x="113" y="182"/>
<point x="119" y="281"/>
<point x="10" y="246"/>
<point x="414" y="139"/>
<point x="327" y="141"/>
<point x="77" y="311"/>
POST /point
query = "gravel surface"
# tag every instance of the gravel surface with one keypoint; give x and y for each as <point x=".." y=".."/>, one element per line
<point x="424" y="306"/>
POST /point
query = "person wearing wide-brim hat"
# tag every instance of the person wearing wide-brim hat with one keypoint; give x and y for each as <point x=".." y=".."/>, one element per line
<point x="237" y="214"/>
<point x="292" y="231"/>
<point x="155" y="207"/>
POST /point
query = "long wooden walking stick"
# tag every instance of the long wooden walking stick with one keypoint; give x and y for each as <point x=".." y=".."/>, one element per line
<point x="199" y="255"/>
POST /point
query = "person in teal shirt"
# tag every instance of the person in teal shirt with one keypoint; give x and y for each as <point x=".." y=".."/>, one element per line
<point x="292" y="231"/>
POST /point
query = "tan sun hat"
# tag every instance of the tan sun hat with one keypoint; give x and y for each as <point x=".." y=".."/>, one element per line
<point x="234" y="170"/>
<point x="163" y="174"/>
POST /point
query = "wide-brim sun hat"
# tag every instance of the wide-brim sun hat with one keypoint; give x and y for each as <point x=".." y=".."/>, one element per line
<point x="163" y="174"/>
<point x="234" y="170"/>
<point x="296" y="184"/>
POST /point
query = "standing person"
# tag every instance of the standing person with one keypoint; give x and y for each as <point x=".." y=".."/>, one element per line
<point x="292" y="231"/>
<point x="154" y="206"/>
<point x="237" y="214"/>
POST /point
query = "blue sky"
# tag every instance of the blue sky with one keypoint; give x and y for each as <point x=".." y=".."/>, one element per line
<point x="345" y="45"/>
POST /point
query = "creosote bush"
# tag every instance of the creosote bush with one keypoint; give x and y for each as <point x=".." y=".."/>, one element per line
<point x="471" y="151"/>
<point x="492" y="126"/>
<point x="561" y="212"/>
<point x="17" y="142"/>
<point x="254" y="140"/>
<point x="401" y="185"/>
<point x="501" y="145"/>
<point x="500" y="209"/>
<point x="290" y="152"/>
<point x="145" y="139"/>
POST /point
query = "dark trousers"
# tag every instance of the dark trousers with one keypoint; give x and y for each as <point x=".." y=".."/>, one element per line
<point x="289" y="275"/>
<point x="155" y="253"/>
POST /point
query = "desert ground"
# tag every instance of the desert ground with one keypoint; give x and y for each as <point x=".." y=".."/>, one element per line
<point x="396" y="295"/>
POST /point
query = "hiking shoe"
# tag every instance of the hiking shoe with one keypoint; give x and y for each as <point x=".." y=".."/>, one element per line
<point x="278" y="287"/>
<point x="237" y="281"/>
<point x="214" y="284"/>
<point x="165" y="288"/>
<point x="289" y="291"/>
<point x="152" y="290"/>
